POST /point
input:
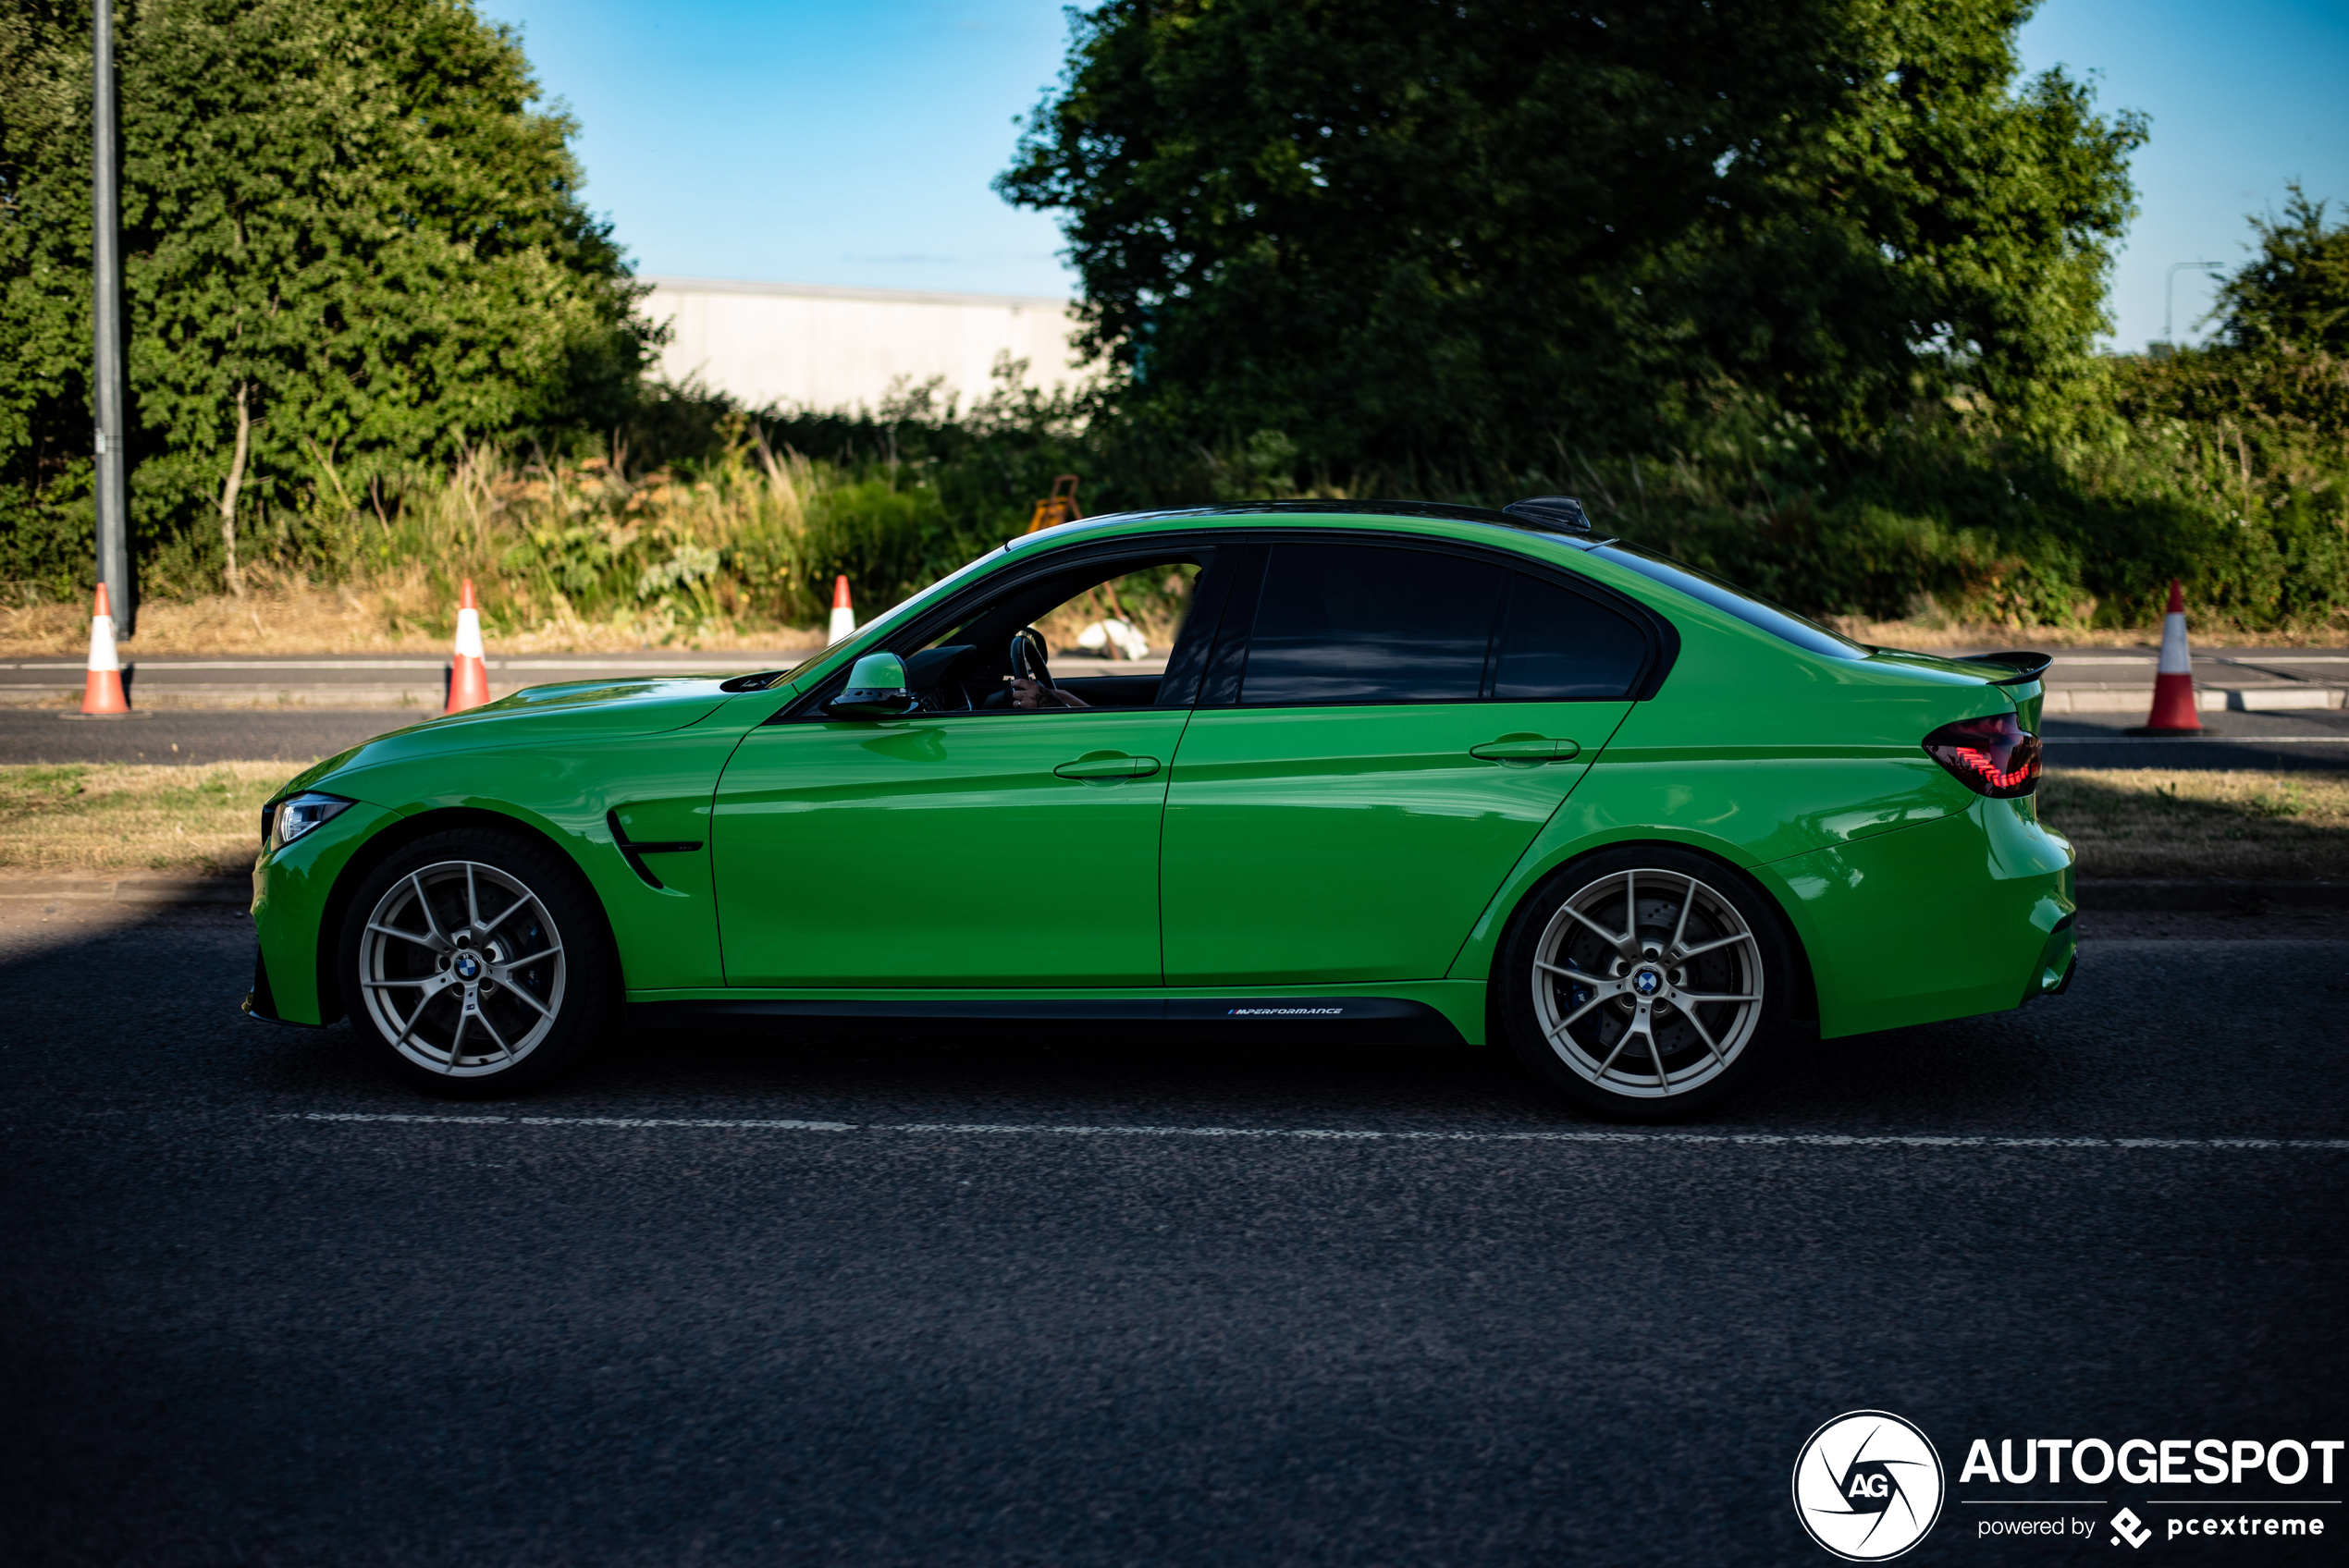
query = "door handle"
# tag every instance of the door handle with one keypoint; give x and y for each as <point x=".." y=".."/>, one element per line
<point x="1526" y="748"/>
<point x="1113" y="766"/>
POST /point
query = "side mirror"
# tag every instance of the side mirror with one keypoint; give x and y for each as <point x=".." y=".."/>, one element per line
<point x="876" y="690"/>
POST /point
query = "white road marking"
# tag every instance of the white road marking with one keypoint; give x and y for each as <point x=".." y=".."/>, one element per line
<point x="1326" y="1134"/>
<point x="788" y="1126"/>
<point x="149" y="666"/>
<point x="2284" y="656"/>
<point x="792" y="1126"/>
<point x="2193" y="739"/>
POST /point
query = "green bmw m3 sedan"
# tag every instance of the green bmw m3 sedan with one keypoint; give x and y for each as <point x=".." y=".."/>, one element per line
<point x="1484" y="777"/>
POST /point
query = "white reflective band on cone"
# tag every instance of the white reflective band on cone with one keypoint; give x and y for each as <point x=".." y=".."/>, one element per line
<point x="2175" y="659"/>
<point x="102" y="656"/>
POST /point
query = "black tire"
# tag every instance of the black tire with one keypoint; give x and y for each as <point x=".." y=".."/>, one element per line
<point x="1616" y="1026"/>
<point x="489" y="1009"/>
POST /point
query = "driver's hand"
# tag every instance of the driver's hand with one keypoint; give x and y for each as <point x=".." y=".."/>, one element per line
<point x="1026" y="694"/>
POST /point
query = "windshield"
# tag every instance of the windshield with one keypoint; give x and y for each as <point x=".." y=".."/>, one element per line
<point x="931" y="591"/>
<point x="1752" y="609"/>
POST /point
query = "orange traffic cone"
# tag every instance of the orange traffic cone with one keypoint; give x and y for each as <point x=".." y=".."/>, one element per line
<point x="101" y="694"/>
<point x="468" y="676"/>
<point x="843" y="613"/>
<point x="2174" y="710"/>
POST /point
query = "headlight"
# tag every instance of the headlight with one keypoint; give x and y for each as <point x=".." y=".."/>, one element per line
<point x="283" y="822"/>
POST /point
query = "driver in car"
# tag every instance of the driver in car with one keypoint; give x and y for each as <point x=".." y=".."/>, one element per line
<point x="1026" y="694"/>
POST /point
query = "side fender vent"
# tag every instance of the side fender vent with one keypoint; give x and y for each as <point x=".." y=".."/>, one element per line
<point x="635" y="852"/>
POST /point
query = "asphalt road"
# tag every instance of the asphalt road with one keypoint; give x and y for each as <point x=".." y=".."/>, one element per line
<point x="2283" y="741"/>
<point x="192" y="736"/>
<point x="1135" y="1302"/>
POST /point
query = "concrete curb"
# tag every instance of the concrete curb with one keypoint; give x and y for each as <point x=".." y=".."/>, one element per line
<point x="2206" y="893"/>
<point x="2209" y="699"/>
<point x="150" y="889"/>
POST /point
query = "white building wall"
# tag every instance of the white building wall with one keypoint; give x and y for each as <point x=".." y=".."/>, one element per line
<point x="812" y="347"/>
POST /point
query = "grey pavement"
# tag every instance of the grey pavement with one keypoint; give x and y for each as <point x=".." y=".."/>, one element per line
<point x="2119" y="681"/>
<point x="416" y="682"/>
<point x="2306" y="740"/>
<point x="875" y="1299"/>
<point x="192" y="736"/>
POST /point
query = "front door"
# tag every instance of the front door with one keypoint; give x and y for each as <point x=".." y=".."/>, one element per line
<point x="974" y="848"/>
<point x="1403" y="721"/>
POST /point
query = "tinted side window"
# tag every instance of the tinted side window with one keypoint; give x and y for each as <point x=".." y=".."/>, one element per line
<point x="1356" y="623"/>
<point x="1558" y="643"/>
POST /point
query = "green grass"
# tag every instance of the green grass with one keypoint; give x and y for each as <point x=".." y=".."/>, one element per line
<point x="2166" y="822"/>
<point x="121" y="817"/>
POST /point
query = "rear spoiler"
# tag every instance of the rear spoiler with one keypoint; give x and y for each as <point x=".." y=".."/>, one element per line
<point x="2026" y="665"/>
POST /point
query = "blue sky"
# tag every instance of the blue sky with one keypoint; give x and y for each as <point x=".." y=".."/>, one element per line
<point x="822" y="142"/>
<point x="2244" y="97"/>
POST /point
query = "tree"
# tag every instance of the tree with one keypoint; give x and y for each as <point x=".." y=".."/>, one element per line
<point x="1472" y="236"/>
<point x="2296" y="290"/>
<point x="350" y="245"/>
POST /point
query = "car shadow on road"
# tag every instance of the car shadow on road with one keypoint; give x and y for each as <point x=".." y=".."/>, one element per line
<point x="2122" y="1054"/>
<point x="1917" y="1078"/>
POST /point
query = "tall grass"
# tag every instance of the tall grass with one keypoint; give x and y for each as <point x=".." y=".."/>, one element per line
<point x="704" y="522"/>
<point x="746" y="537"/>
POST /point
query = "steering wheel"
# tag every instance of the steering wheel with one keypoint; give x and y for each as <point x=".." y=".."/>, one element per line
<point x="1027" y="657"/>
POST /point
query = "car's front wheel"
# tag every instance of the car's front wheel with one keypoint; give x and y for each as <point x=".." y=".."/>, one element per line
<point x="475" y="963"/>
<point x="1645" y="983"/>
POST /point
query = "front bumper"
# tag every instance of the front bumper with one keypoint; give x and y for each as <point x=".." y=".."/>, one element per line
<point x="261" y="1003"/>
<point x="292" y="901"/>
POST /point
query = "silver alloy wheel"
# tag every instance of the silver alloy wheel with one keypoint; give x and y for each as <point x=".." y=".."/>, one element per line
<point x="463" y="969"/>
<point x="1647" y="983"/>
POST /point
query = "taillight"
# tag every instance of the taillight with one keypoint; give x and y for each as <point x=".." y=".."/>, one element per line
<point x="1992" y="756"/>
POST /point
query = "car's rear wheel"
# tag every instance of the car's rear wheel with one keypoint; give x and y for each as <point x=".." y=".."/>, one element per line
<point x="475" y="963"/>
<point x="1645" y="983"/>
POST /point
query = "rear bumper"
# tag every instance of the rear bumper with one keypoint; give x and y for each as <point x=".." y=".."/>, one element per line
<point x="2057" y="964"/>
<point x="1967" y="915"/>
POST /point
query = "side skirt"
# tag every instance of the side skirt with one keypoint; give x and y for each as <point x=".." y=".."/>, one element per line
<point x="1389" y="1017"/>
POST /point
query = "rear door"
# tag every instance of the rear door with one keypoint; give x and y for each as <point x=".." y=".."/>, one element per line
<point x="1382" y="731"/>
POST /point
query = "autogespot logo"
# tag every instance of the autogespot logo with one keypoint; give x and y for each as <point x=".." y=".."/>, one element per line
<point x="1868" y="1485"/>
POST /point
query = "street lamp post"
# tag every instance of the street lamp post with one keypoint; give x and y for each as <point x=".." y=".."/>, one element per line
<point x="106" y="269"/>
<point x="2169" y="292"/>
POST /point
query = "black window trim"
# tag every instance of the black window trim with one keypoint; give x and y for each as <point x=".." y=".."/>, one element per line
<point x="1229" y="656"/>
<point x="1227" y="653"/>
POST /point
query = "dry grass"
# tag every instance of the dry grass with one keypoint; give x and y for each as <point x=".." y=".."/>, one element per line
<point x="297" y="619"/>
<point x="116" y="818"/>
<point x="2166" y="822"/>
